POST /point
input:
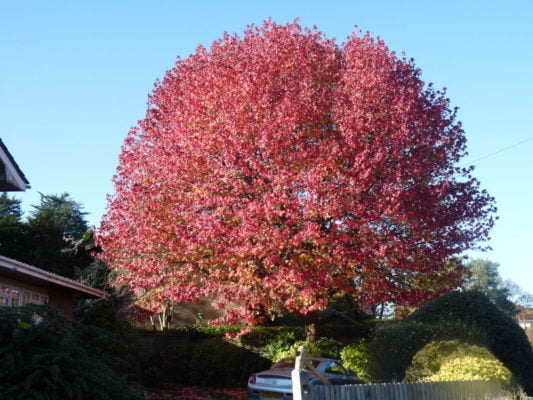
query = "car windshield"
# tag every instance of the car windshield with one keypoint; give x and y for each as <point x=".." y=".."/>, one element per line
<point x="289" y="363"/>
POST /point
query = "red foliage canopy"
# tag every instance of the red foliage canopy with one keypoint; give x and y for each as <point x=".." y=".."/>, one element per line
<point x="278" y="168"/>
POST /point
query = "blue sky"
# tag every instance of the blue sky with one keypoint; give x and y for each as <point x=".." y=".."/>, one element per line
<point x="75" y="75"/>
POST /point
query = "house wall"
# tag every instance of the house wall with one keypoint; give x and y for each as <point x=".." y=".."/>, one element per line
<point x="63" y="301"/>
<point x="16" y="293"/>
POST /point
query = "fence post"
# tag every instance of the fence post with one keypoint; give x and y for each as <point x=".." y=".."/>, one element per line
<point x="300" y="377"/>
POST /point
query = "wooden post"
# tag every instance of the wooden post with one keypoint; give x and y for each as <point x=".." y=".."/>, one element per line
<point x="324" y="380"/>
<point x="300" y="377"/>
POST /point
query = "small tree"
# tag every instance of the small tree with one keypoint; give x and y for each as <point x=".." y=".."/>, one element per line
<point x="54" y="232"/>
<point x="63" y="213"/>
<point x="274" y="170"/>
<point x="12" y="228"/>
<point x="483" y="276"/>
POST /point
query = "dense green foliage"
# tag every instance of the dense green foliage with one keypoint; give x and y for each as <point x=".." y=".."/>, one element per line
<point x="393" y="346"/>
<point x="322" y="347"/>
<point x="453" y="360"/>
<point x="356" y="357"/>
<point x="97" y="275"/>
<point x="505" y="338"/>
<point x="286" y="343"/>
<point x="63" y="213"/>
<point x="204" y="356"/>
<point x="205" y="362"/>
<point x="260" y="336"/>
<point x="282" y="344"/>
<point x="47" y="357"/>
<point x="109" y="337"/>
<point x="12" y="230"/>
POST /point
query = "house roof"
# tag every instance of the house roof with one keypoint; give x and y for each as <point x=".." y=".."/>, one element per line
<point x="524" y="313"/>
<point x="11" y="176"/>
<point x="28" y="273"/>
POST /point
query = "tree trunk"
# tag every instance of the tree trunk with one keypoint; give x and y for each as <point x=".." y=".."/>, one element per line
<point x="310" y="332"/>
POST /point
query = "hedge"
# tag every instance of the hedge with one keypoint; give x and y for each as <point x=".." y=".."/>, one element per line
<point x="505" y="338"/>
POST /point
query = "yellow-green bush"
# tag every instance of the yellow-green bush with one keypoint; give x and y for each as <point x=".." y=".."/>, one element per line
<point x="355" y="357"/>
<point x="454" y="361"/>
<point x="505" y="338"/>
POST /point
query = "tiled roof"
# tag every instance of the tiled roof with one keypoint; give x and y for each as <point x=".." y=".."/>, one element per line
<point x="14" y="165"/>
<point x="21" y="270"/>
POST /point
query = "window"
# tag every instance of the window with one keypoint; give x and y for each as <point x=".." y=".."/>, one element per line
<point x="5" y="296"/>
<point x="335" y="368"/>
<point x="16" y="297"/>
<point x="25" y="298"/>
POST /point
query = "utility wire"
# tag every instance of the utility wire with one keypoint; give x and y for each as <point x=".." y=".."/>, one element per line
<point x="502" y="150"/>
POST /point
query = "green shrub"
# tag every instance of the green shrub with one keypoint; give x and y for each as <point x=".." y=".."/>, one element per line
<point x="206" y="362"/>
<point x="111" y="338"/>
<point x="216" y="362"/>
<point x="42" y="357"/>
<point x="356" y="357"/>
<point x="393" y="346"/>
<point x="260" y="336"/>
<point x="170" y="366"/>
<point x="323" y="347"/>
<point x="280" y="346"/>
<point x="346" y="333"/>
<point x="505" y="338"/>
<point x="455" y="361"/>
<point x="202" y="355"/>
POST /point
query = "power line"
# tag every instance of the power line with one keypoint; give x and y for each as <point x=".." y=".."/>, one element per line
<point x="502" y="150"/>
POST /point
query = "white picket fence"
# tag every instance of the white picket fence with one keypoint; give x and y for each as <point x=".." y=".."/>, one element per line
<point x="466" y="390"/>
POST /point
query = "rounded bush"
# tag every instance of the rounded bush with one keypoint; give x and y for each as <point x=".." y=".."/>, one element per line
<point x="456" y="361"/>
<point x="505" y="338"/>
<point x="393" y="346"/>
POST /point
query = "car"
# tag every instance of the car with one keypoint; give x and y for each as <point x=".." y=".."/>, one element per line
<point x="276" y="383"/>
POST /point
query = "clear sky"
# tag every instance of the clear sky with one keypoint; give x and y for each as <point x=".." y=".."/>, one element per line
<point x="75" y="75"/>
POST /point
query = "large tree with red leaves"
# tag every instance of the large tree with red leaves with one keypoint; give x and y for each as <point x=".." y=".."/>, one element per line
<point x="274" y="170"/>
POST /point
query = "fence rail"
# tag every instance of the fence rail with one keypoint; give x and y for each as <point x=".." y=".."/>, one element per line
<point x="470" y="390"/>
